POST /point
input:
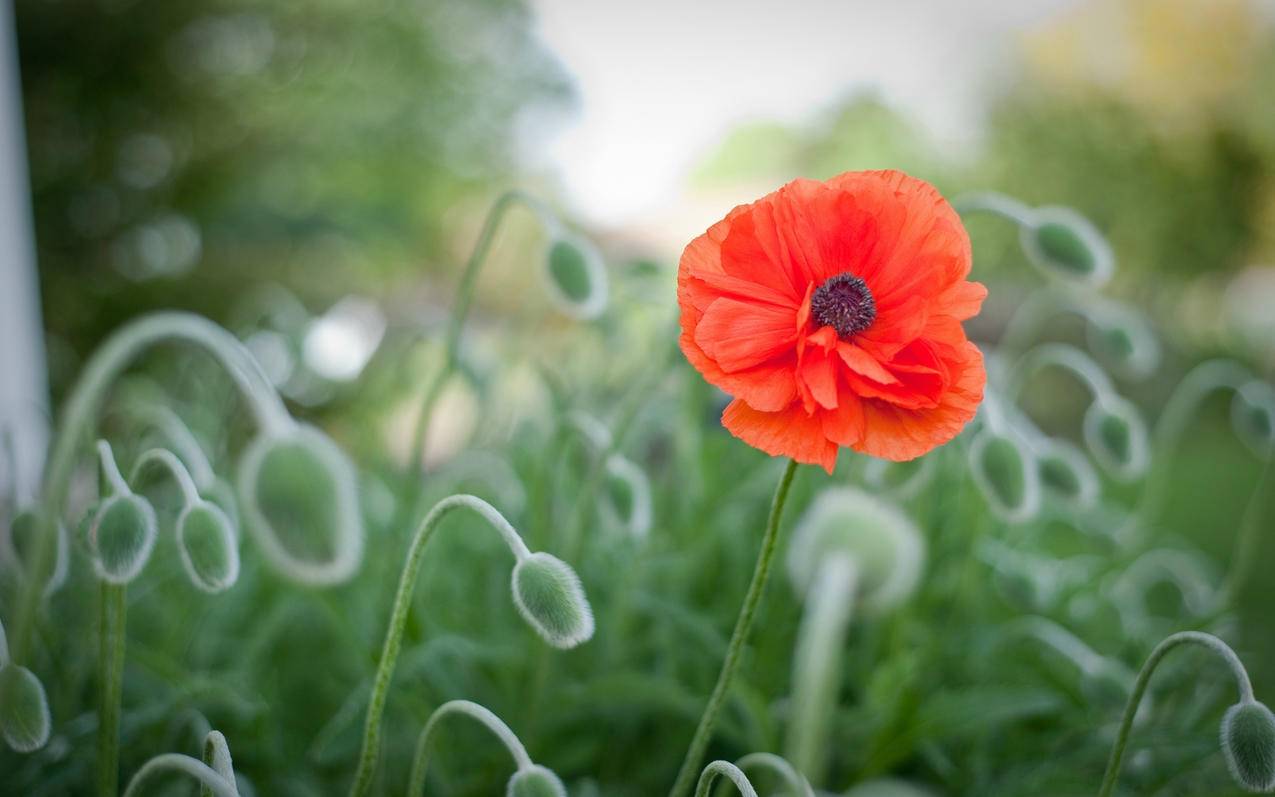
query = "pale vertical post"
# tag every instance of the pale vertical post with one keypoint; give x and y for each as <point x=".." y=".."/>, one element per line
<point x="23" y="381"/>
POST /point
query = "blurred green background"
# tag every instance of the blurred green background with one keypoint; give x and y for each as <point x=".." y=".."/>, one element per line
<point x="273" y="165"/>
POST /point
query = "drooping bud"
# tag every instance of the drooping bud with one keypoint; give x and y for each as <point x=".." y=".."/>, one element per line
<point x="300" y="504"/>
<point x="884" y="544"/>
<point x="24" y="709"/>
<point x="535" y="781"/>
<point x="1063" y="244"/>
<point x="550" y="598"/>
<point x="1248" y="743"/>
<point x="1123" y="339"/>
<point x="22" y="540"/>
<point x="888" y="787"/>
<point x="901" y="480"/>
<point x="209" y="547"/>
<point x="577" y="276"/>
<point x="1066" y="474"/>
<point x="122" y="537"/>
<point x="1007" y="475"/>
<point x="1253" y="417"/>
<point x="1117" y="437"/>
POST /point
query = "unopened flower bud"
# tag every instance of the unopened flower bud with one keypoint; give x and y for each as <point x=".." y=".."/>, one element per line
<point x="209" y="547"/>
<point x="577" y="276"/>
<point x="1248" y="743"/>
<point x="1117" y="437"/>
<point x="24" y="709"/>
<point x="1006" y="474"/>
<point x="549" y="596"/>
<point x="122" y="537"/>
<point x="1062" y="243"/>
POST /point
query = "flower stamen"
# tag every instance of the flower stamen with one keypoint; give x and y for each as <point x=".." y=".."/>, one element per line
<point x="844" y="303"/>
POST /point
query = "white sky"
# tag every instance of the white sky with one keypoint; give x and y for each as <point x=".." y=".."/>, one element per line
<point x="660" y="81"/>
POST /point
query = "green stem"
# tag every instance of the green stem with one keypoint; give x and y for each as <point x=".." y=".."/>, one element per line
<point x="456" y="321"/>
<point x="398" y="620"/>
<point x="744" y="623"/>
<point x="110" y="694"/>
<point x="420" y="761"/>
<point x="1207" y="641"/>
<point x="727" y="770"/>
<point x="1250" y="533"/>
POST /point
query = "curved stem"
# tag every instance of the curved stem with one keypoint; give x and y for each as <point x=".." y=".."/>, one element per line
<point x="829" y="605"/>
<point x="398" y="620"/>
<point x="183" y="441"/>
<point x="992" y="202"/>
<point x="1060" y="355"/>
<point x="420" y="761"/>
<point x="1250" y="533"/>
<point x="728" y="770"/>
<point x="110" y="470"/>
<point x="1183" y="403"/>
<point x="798" y="784"/>
<point x="78" y="420"/>
<point x="162" y="456"/>
<point x="1207" y="641"/>
<point x="4" y="647"/>
<point x="460" y="309"/>
<point x="110" y="687"/>
<point x="176" y="762"/>
<point x="217" y="757"/>
<point x="743" y="624"/>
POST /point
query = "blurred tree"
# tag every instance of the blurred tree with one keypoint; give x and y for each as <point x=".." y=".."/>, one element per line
<point x="183" y="151"/>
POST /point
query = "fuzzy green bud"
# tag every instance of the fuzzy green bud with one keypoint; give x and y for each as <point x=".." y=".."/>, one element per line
<point x="1117" y="437"/>
<point x="300" y="504"/>
<point x="550" y="598"/>
<point x="1063" y="244"/>
<point x="24" y="709"/>
<point x="1248" y="743"/>
<point x="122" y="537"/>
<point x="577" y="276"/>
<point x="1006" y="474"/>
<point x="209" y="547"/>
<point x="1066" y="474"/>
<point x="1253" y="417"/>
<point x="535" y="781"/>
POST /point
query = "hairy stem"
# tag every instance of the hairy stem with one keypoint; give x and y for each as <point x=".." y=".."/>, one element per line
<point x="398" y="620"/>
<point x="420" y="761"/>
<point x="110" y="687"/>
<point x="743" y="624"/>
<point x="456" y="321"/>
<point x="724" y="769"/>
<point x="1208" y="642"/>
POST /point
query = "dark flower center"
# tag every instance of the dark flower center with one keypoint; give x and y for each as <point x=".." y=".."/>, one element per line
<point x="844" y="303"/>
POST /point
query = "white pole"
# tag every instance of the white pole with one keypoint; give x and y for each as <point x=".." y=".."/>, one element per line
<point x="23" y="381"/>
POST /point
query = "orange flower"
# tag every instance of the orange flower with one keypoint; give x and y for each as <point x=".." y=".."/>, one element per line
<point x="832" y="312"/>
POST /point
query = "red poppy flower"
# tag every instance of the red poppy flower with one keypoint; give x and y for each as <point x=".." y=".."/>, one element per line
<point x="831" y="312"/>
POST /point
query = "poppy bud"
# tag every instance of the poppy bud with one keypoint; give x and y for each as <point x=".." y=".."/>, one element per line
<point x="1007" y="475"/>
<point x="1253" y="417"/>
<point x="1065" y="473"/>
<point x="1248" y="743"/>
<point x="122" y="537"/>
<point x="299" y="502"/>
<point x="630" y="494"/>
<point x="548" y="594"/>
<point x="900" y="480"/>
<point x="883" y="543"/>
<point x="888" y="787"/>
<point x="23" y="530"/>
<point x="535" y="781"/>
<point x="1117" y="436"/>
<point x="1062" y="243"/>
<point x="24" y="709"/>
<point x="577" y="276"/>
<point x="1122" y="338"/>
<point x="209" y="546"/>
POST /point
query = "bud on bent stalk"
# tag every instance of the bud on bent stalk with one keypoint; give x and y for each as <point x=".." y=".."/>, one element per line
<point x="723" y="769"/>
<point x="1248" y="743"/>
<point x="297" y="487"/>
<point x="124" y="528"/>
<point x="1065" y="472"/>
<point x="1117" y="437"/>
<point x="1253" y="417"/>
<point x="535" y="781"/>
<point x="576" y="276"/>
<point x="24" y="708"/>
<point x="550" y="598"/>
<point x="21" y="542"/>
<point x="1064" y="244"/>
<point x="1007" y="475"/>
